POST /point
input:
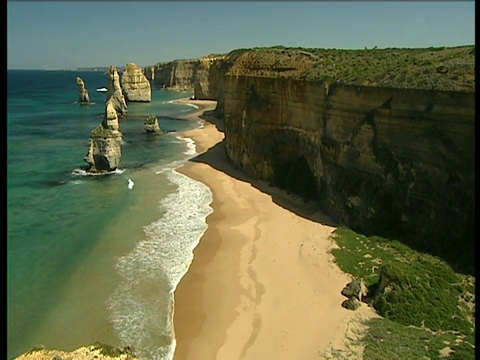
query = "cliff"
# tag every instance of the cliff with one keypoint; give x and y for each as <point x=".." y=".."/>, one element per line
<point x="136" y="87"/>
<point x="387" y="160"/>
<point x="183" y="74"/>
<point x="211" y="74"/>
<point x="176" y="74"/>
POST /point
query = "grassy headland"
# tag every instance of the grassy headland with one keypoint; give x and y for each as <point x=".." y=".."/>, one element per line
<point x="428" y="310"/>
<point x="440" y="68"/>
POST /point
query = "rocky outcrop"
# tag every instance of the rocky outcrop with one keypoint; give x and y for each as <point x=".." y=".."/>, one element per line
<point x="115" y="91"/>
<point x="136" y="87"/>
<point x="105" y="145"/>
<point x="83" y="97"/>
<point x="151" y="125"/>
<point x="384" y="161"/>
<point x="96" y="351"/>
<point x="355" y="291"/>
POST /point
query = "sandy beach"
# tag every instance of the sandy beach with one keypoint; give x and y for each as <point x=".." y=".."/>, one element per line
<point x="262" y="284"/>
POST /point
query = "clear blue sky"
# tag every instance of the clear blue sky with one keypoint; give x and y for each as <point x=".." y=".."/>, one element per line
<point x="51" y="35"/>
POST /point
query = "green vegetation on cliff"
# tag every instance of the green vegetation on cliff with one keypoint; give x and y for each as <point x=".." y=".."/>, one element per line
<point x="428" y="309"/>
<point x="442" y="68"/>
<point x="101" y="132"/>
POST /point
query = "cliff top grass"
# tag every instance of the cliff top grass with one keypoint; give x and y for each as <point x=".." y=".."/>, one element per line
<point x="431" y="308"/>
<point x="438" y="68"/>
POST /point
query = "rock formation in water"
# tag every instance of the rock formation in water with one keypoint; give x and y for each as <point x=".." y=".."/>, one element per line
<point x="382" y="139"/>
<point x="105" y="145"/>
<point x="151" y="125"/>
<point x="83" y="97"/>
<point x="115" y="91"/>
<point x="135" y="85"/>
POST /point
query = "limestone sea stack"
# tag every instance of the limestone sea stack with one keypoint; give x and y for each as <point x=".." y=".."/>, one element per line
<point x="105" y="145"/>
<point x="115" y="91"/>
<point x="83" y="97"/>
<point x="135" y="84"/>
<point x="151" y="125"/>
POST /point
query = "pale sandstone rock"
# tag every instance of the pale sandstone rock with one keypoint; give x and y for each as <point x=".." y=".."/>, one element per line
<point x="105" y="145"/>
<point x="135" y="84"/>
<point x="83" y="96"/>
<point x="115" y="91"/>
<point x="82" y="353"/>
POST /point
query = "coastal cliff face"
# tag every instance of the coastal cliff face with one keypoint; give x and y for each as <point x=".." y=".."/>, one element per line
<point x="136" y="87"/>
<point x="204" y="75"/>
<point x="210" y="76"/>
<point x="177" y="74"/>
<point x="115" y="93"/>
<point x="381" y="160"/>
<point x="149" y="72"/>
<point x="83" y="96"/>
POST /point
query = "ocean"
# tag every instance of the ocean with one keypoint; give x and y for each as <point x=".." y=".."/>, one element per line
<point x="90" y="259"/>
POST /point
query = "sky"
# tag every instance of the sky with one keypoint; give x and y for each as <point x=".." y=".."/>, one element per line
<point x="73" y="34"/>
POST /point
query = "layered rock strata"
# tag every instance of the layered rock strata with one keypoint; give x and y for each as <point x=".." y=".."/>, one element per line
<point x="105" y="144"/>
<point x="175" y="75"/>
<point x="115" y="92"/>
<point x="383" y="139"/>
<point x="384" y="161"/>
<point x="83" y="96"/>
<point x="135" y="85"/>
<point x="188" y="74"/>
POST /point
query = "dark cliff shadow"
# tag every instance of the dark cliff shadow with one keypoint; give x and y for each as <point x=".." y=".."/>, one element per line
<point x="209" y="116"/>
<point x="216" y="158"/>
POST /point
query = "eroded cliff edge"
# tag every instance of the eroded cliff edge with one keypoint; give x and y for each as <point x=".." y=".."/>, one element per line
<point x="385" y="160"/>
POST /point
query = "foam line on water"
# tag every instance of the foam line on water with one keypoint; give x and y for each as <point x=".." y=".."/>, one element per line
<point x="158" y="262"/>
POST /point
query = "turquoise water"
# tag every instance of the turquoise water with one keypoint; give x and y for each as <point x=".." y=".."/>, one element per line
<point x="88" y="258"/>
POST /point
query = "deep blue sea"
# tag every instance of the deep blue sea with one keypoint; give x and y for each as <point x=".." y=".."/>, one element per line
<point x="90" y="259"/>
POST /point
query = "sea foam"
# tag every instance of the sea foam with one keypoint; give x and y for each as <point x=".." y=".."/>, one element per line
<point x="158" y="262"/>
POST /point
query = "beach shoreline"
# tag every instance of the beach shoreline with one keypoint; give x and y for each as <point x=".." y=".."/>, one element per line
<point x="262" y="283"/>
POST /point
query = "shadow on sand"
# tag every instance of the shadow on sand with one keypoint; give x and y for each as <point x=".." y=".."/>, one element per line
<point x="217" y="159"/>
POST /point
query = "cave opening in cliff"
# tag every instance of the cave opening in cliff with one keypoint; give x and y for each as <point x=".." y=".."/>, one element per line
<point x="297" y="178"/>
